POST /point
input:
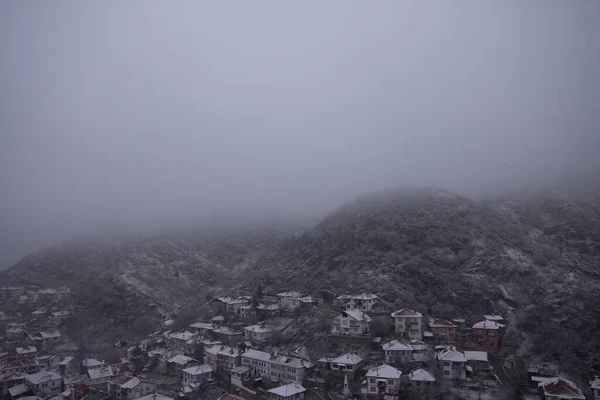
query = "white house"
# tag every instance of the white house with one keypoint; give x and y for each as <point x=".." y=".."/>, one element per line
<point x="421" y="382"/>
<point x="277" y="368"/>
<point x="203" y="328"/>
<point x="222" y="358"/>
<point x="47" y="382"/>
<point x="57" y="317"/>
<point x="382" y="380"/>
<point x="258" y="333"/>
<point x="26" y="353"/>
<point x="197" y="375"/>
<point x="495" y="318"/>
<point x="363" y="301"/>
<point x="287" y="300"/>
<point x="408" y="323"/>
<point x="98" y="376"/>
<point x="291" y="391"/>
<point x="346" y="363"/>
<point x="453" y="363"/>
<point x="177" y="363"/>
<point x="129" y="388"/>
<point x="351" y="322"/>
<point x="397" y="352"/>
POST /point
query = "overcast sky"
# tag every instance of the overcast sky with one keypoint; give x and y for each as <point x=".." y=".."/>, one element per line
<point x="144" y="114"/>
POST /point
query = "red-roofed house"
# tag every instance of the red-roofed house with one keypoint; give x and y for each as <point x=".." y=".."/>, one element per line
<point x="443" y="329"/>
<point x="560" y="388"/>
<point x="486" y="335"/>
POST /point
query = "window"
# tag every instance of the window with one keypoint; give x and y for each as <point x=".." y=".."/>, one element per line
<point x="446" y="372"/>
<point x="371" y="380"/>
<point x="418" y="383"/>
<point x="372" y="389"/>
<point x="446" y="364"/>
<point x="390" y="382"/>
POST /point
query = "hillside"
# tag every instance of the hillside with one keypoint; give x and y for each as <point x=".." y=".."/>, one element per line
<point x="534" y="258"/>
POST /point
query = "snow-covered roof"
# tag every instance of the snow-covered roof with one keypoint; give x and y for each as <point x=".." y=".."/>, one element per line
<point x="418" y="345"/>
<point x="476" y="356"/>
<point x="26" y="350"/>
<point x="561" y="388"/>
<point x="203" y="325"/>
<point x="155" y="396"/>
<point x="307" y="299"/>
<point x="406" y="312"/>
<point x="395" y="345"/>
<point x="66" y="360"/>
<point x="131" y="383"/>
<point x="345" y="359"/>
<point x="60" y="314"/>
<point x="362" y="296"/>
<point x="494" y="317"/>
<point x="289" y="294"/>
<point x="222" y="350"/>
<point x="595" y="384"/>
<point x="441" y="323"/>
<point x="384" y="371"/>
<point x="277" y="359"/>
<point x="169" y="322"/>
<point x="421" y="375"/>
<point x="99" y="373"/>
<point x="218" y="318"/>
<point x="287" y="390"/>
<point x="91" y="362"/>
<point x="18" y="389"/>
<point x="230" y="300"/>
<point x="451" y="354"/>
<point x="487" y="324"/>
<point x="42" y="376"/>
<point x="185" y="336"/>
<point x="180" y="359"/>
<point x="225" y="330"/>
<point x="50" y="335"/>
<point x="357" y="315"/>
<point x="260" y="328"/>
<point x="198" y="369"/>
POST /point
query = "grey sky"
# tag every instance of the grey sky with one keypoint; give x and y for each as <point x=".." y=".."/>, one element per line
<point x="143" y="114"/>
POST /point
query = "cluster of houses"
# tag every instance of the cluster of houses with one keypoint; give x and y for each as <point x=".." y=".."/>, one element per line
<point x="235" y="349"/>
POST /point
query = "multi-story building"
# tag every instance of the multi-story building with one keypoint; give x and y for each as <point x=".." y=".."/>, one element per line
<point x="364" y="301"/>
<point x="453" y="363"/>
<point x="559" y="388"/>
<point x="278" y="368"/>
<point x="258" y="333"/>
<point x="408" y="323"/>
<point x="595" y="388"/>
<point x="11" y="293"/>
<point x="383" y="380"/>
<point x="346" y="364"/>
<point x="397" y="352"/>
<point x="46" y="382"/>
<point x="486" y="335"/>
<point x="129" y="388"/>
<point x="351" y="322"/>
<point x="222" y="359"/>
<point x="421" y="384"/>
<point x="443" y="329"/>
<point x="197" y="375"/>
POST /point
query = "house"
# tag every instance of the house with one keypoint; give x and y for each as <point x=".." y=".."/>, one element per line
<point x="98" y="376"/>
<point x="239" y="374"/>
<point x="595" y="388"/>
<point x="258" y="333"/>
<point x="291" y="391"/>
<point x="26" y="354"/>
<point x="453" y="363"/>
<point x="408" y="323"/>
<point x="486" y="335"/>
<point x="559" y="388"/>
<point x="383" y="380"/>
<point x="203" y="328"/>
<point x="56" y="318"/>
<point x="11" y="292"/>
<point x="46" y="382"/>
<point x="90" y="363"/>
<point x="181" y="340"/>
<point x="477" y="360"/>
<point x="287" y="300"/>
<point x="48" y="361"/>
<point x="421" y="383"/>
<point x="397" y="352"/>
<point x="52" y="294"/>
<point x="197" y="375"/>
<point x="177" y="363"/>
<point x="66" y="366"/>
<point x="39" y="314"/>
<point x="228" y="335"/>
<point x="275" y="367"/>
<point x="129" y="388"/>
<point x="228" y="305"/>
<point x="351" y="322"/>
<point x="348" y="363"/>
<point x="49" y="339"/>
<point x="443" y="329"/>
<point x="364" y="301"/>
<point x="19" y="391"/>
<point x="222" y="359"/>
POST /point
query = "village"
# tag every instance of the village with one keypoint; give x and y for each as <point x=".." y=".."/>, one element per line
<point x="239" y="353"/>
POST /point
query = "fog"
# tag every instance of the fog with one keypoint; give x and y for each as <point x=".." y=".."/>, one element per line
<point x="142" y="115"/>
